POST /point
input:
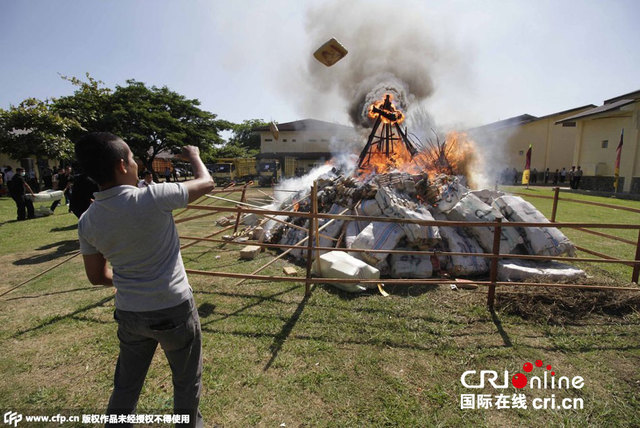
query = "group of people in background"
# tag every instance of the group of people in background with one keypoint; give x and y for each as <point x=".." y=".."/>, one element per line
<point x="77" y="189"/>
<point x="559" y="177"/>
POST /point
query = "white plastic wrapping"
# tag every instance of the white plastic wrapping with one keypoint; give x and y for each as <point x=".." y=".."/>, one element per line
<point x="395" y="206"/>
<point x="471" y="208"/>
<point x="542" y="241"/>
<point x="46" y="196"/>
<point x="521" y="270"/>
<point x="338" y="264"/>
<point x="456" y="240"/>
<point x="377" y="236"/>
<point x="333" y="230"/>
<point x="411" y="266"/>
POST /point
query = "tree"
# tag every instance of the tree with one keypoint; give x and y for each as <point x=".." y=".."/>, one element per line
<point x="153" y="120"/>
<point x="90" y="104"/>
<point x="33" y="128"/>
<point x="245" y="137"/>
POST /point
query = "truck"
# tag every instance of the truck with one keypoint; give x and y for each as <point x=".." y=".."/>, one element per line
<point x="269" y="172"/>
<point x="225" y="170"/>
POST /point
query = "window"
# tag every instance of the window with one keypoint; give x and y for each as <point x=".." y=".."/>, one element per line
<point x="569" y="124"/>
<point x="313" y="140"/>
<point x="284" y="140"/>
<point x="324" y="140"/>
<point x="268" y="139"/>
<point x="605" y="144"/>
<point x="293" y="140"/>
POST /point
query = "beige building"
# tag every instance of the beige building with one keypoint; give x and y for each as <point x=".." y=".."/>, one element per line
<point x="508" y="140"/>
<point x="311" y="142"/>
<point x="598" y="131"/>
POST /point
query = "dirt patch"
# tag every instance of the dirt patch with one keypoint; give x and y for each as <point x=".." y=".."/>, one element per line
<point x="561" y="306"/>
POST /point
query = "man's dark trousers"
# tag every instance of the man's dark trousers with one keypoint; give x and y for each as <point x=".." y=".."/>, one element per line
<point x="25" y="207"/>
<point x="177" y="330"/>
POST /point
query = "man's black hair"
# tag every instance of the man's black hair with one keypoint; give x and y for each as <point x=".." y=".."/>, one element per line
<point x="98" y="154"/>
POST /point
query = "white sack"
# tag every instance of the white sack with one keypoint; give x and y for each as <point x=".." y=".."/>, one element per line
<point x="370" y="207"/>
<point x="411" y="266"/>
<point x="46" y="196"/>
<point x="353" y="230"/>
<point x="456" y="240"/>
<point x="292" y="236"/>
<point x="471" y="208"/>
<point x="450" y="195"/>
<point x="542" y="241"/>
<point x="397" y="206"/>
<point x="377" y="236"/>
<point x="333" y="230"/>
<point x="520" y="270"/>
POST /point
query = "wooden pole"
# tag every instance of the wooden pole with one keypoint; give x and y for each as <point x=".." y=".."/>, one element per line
<point x="497" y="233"/>
<point x="302" y="241"/>
<point x="556" y="192"/>
<point x="242" y="199"/>
<point x="310" y="243"/>
<point x="636" y="268"/>
<point x="208" y="237"/>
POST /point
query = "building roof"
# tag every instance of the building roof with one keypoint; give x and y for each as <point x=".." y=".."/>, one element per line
<point x="305" y="125"/>
<point x="567" y="111"/>
<point x="630" y="96"/>
<point x="598" y="110"/>
<point x="524" y="119"/>
<point x="505" y="123"/>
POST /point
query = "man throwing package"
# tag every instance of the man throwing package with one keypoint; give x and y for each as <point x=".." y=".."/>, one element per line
<point x="133" y="230"/>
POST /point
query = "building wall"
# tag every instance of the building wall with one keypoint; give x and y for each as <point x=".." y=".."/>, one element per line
<point x="552" y="146"/>
<point x="599" y="161"/>
<point x="534" y="133"/>
<point x="562" y="141"/>
<point x="302" y="141"/>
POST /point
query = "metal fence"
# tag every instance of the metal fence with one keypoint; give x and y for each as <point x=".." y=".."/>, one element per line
<point x="314" y="230"/>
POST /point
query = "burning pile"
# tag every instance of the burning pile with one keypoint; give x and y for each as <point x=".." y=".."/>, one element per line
<point x="398" y="181"/>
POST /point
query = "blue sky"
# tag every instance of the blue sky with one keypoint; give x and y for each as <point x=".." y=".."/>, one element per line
<point x="487" y="60"/>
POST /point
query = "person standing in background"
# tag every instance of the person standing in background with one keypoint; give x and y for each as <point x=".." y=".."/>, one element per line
<point x="18" y="189"/>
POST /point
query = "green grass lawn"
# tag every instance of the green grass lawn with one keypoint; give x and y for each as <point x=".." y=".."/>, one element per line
<point x="272" y="356"/>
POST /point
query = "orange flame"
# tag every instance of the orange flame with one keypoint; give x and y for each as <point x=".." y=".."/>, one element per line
<point x="389" y="114"/>
<point x="455" y="156"/>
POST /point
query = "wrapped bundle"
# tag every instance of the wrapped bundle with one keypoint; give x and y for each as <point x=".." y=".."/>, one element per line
<point x="377" y="236"/>
<point x="354" y="228"/>
<point x="370" y="207"/>
<point x="471" y="208"/>
<point x="394" y="206"/>
<point x="333" y="230"/>
<point x="292" y="236"/>
<point x="411" y="266"/>
<point x="446" y="192"/>
<point x="521" y="270"/>
<point x="456" y="240"/>
<point x="338" y="264"/>
<point x="542" y="241"/>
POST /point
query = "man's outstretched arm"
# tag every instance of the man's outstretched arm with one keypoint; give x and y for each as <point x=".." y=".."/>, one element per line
<point x="202" y="182"/>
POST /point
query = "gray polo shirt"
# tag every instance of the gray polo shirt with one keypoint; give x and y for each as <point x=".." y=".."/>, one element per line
<point x="134" y="230"/>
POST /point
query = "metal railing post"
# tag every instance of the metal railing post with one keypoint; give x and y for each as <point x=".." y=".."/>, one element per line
<point x="554" y="210"/>
<point x="497" y="232"/>
<point x="310" y="243"/>
<point x="636" y="267"/>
